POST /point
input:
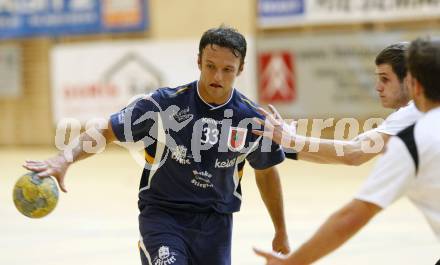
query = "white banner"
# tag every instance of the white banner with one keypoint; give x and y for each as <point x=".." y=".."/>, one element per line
<point x="10" y="71"/>
<point x="96" y="80"/>
<point x="324" y="75"/>
<point x="272" y="13"/>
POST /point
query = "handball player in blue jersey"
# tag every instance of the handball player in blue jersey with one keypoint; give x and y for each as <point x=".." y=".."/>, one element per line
<point x="197" y="138"/>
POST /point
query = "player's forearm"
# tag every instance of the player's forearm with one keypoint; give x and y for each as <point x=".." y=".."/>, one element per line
<point x="88" y="143"/>
<point x="78" y="152"/>
<point x="327" y="151"/>
<point x="269" y="185"/>
<point x="328" y="238"/>
<point x="338" y="228"/>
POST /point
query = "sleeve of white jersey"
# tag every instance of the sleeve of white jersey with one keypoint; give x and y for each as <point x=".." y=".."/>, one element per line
<point x="399" y="120"/>
<point x="392" y="176"/>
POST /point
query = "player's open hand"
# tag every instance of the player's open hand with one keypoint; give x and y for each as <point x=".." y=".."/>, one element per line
<point x="277" y="129"/>
<point x="55" y="166"/>
<point x="272" y="258"/>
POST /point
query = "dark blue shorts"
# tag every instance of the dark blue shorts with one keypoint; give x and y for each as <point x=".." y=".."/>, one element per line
<point x="176" y="237"/>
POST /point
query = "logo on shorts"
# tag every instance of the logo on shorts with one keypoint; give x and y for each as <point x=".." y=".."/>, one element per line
<point x="165" y="257"/>
<point x="237" y="138"/>
<point x="180" y="155"/>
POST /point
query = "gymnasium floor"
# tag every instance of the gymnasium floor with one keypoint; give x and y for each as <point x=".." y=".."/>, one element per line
<point x="96" y="222"/>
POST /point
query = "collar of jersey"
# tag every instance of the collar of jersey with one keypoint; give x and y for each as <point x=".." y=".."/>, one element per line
<point x="210" y="105"/>
<point x="411" y="102"/>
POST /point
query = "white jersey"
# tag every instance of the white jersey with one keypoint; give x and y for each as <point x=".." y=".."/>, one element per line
<point x="410" y="167"/>
<point x="395" y="122"/>
<point x="400" y="119"/>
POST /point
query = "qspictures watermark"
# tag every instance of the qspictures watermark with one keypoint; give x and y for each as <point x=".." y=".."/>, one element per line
<point x="207" y="134"/>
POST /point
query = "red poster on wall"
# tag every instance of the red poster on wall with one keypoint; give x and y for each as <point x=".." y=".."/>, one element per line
<point x="276" y="77"/>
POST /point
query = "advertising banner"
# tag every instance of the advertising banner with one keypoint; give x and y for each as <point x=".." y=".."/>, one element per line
<point x="66" y="17"/>
<point x="282" y="13"/>
<point x="95" y="80"/>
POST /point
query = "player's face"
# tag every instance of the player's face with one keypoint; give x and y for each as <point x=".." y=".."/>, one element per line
<point x="393" y="93"/>
<point x="218" y="69"/>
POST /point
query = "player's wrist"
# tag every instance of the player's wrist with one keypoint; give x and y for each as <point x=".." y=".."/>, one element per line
<point x="281" y="230"/>
<point x="296" y="140"/>
<point x="64" y="159"/>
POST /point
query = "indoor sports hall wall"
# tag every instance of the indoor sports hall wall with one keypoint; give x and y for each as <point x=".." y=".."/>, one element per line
<point x="316" y="58"/>
<point x="29" y="117"/>
<point x="25" y="117"/>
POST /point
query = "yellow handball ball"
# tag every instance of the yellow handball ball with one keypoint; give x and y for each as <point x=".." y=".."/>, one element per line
<point x="35" y="197"/>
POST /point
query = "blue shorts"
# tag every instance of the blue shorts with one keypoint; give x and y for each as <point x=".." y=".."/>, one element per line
<point x="176" y="237"/>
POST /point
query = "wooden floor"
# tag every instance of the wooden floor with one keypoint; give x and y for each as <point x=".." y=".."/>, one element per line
<point x="96" y="222"/>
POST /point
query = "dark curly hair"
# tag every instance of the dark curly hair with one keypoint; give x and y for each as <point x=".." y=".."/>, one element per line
<point x="226" y="37"/>
<point x="394" y="55"/>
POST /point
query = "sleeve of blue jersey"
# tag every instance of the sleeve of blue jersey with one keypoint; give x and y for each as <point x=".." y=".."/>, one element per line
<point x="130" y="124"/>
<point x="260" y="159"/>
<point x="289" y="153"/>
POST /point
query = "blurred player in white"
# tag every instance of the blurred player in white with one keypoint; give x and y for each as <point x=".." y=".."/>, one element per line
<point x="393" y="91"/>
<point x="408" y="168"/>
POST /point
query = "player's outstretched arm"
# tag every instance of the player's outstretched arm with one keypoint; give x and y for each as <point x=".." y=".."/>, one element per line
<point x="317" y="150"/>
<point x="352" y="153"/>
<point x="57" y="166"/>
<point x="338" y="228"/>
<point x="269" y="185"/>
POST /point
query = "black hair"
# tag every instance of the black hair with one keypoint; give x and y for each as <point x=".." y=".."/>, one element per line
<point x="394" y="55"/>
<point x="423" y="60"/>
<point x="226" y="37"/>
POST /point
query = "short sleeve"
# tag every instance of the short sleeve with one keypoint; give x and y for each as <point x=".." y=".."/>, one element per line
<point x="399" y="120"/>
<point x="290" y="153"/>
<point x="392" y="176"/>
<point x="136" y="121"/>
<point x="265" y="156"/>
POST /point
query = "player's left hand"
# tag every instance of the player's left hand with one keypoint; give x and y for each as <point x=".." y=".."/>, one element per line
<point x="280" y="243"/>
<point x="272" y="258"/>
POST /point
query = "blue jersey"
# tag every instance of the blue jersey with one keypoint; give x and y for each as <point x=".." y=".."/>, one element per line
<point x="194" y="151"/>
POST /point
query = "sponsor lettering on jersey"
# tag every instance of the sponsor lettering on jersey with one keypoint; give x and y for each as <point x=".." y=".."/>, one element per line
<point x="225" y="164"/>
<point x="182" y="115"/>
<point x="202" y="179"/>
<point x="211" y="121"/>
<point x="179" y="154"/>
